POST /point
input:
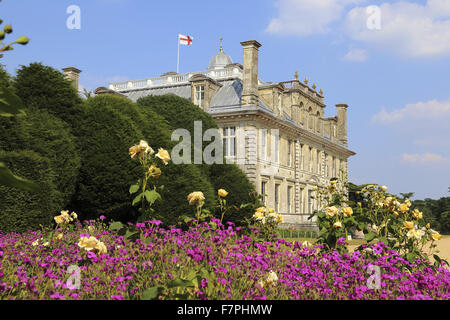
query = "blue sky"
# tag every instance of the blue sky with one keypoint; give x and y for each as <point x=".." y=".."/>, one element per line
<point x="395" y="79"/>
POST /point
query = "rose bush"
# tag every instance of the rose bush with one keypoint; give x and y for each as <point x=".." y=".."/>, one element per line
<point x="380" y="216"/>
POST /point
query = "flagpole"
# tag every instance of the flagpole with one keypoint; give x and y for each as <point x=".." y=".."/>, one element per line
<point x="178" y="58"/>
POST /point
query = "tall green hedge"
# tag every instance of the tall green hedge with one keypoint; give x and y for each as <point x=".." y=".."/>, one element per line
<point x="21" y="211"/>
<point x="109" y="128"/>
<point x="48" y="136"/>
<point x="44" y="87"/>
<point x="181" y="113"/>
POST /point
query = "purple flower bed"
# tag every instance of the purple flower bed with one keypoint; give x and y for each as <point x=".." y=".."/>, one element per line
<point x="239" y="267"/>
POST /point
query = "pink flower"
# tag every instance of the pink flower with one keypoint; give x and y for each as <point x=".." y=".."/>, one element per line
<point x="57" y="295"/>
<point x="117" y="297"/>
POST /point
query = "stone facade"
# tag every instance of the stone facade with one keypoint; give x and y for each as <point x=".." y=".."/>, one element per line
<point x="287" y="145"/>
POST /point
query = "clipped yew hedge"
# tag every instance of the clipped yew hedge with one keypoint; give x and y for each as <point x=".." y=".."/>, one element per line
<point x="181" y="113"/>
<point x="21" y="211"/>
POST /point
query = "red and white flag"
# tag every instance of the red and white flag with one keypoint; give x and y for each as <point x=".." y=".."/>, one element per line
<point x="185" y="40"/>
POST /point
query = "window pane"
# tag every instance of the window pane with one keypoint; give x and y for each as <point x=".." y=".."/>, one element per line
<point x="225" y="151"/>
<point x="232" y="131"/>
<point x="232" y="146"/>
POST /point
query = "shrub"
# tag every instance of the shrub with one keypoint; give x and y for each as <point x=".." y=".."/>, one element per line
<point x="44" y="87"/>
<point x="379" y="215"/>
<point x="181" y="113"/>
<point x="5" y="78"/>
<point x="20" y="210"/>
<point x="110" y="126"/>
<point x="105" y="135"/>
<point x="48" y="136"/>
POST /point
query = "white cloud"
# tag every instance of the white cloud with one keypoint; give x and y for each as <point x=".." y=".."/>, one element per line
<point x="307" y="17"/>
<point x="423" y="111"/>
<point x="355" y="54"/>
<point x="426" y="158"/>
<point x="408" y="29"/>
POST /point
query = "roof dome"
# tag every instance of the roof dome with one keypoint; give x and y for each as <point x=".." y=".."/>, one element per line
<point x="220" y="59"/>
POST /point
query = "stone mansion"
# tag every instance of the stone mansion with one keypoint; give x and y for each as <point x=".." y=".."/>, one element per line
<point x="307" y="149"/>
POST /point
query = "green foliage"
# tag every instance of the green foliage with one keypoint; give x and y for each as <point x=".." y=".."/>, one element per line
<point x="108" y="128"/>
<point x="436" y="211"/>
<point x="44" y="87"/>
<point x="180" y="113"/>
<point x="105" y="136"/>
<point x="7" y="29"/>
<point x="48" y="136"/>
<point x="379" y="215"/>
<point x="20" y="210"/>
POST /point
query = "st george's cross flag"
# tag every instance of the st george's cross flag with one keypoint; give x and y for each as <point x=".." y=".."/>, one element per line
<point x="185" y="40"/>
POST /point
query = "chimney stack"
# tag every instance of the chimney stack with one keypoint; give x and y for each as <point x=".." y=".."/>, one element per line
<point x="342" y="123"/>
<point x="250" y="81"/>
<point x="72" y="74"/>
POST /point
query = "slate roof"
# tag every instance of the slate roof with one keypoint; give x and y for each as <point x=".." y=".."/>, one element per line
<point x="183" y="91"/>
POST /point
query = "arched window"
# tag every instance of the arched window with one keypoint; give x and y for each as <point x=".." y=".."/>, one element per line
<point x="300" y="118"/>
<point x="310" y="118"/>
<point x="318" y="121"/>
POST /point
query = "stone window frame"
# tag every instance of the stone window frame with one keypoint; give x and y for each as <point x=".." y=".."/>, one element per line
<point x="199" y="89"/>
<point x="227" y="139"/>
<point x="263" y="191"/>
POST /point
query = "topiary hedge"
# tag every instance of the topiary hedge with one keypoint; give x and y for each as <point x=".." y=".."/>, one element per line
<point x="21" y="211"/>
<point x="48" y="136"/>
<point x="44" y="87"/>
<point x="110" y="126"/>
<point x="181" y="113"/>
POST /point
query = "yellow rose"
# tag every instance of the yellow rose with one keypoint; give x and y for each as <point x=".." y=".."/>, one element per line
<point x="154" y="171"/>
<point x="66" y="216"/>
<point x="222" y="193"/>
<point x="261" y="209"/>
<point x="196" y="197"/>
<point x="88" y="244"/>
<point x="436" y="236"/>
<point x="331" y="211"/>
<point x="396" y="214"/>
<point x="59" y="220"/>
<point x="383" y="188"/>
<point x="417" y="234"/>
<point x="337" y="225"/>
<point x="403" y="207"/>
<point x="135" y="152"/>
<point x="347" y="211"/>
<point x="35" y="243"/>
<point x="417" y="214"/>
<point x="101" y="248"/>
<point x="258" y="215"/>
<point x="280" y="218"/>
<point x="271" y="210"/>
<point x="59" y="236"/>
<point x="408" y="224"/>
<point x="143" y="146"/>
<point x="74" y="215"/>
<point x="271" y="278"/>
<point x="163" y="155"/>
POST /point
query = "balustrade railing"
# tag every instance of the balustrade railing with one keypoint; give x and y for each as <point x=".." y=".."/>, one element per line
<point x="174" y="79"/>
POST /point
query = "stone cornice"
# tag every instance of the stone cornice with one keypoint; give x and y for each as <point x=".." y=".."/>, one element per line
<point x="274" y="121"/>
<point x="303" y="93"/>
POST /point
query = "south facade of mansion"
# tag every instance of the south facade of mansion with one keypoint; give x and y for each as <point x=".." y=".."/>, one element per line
<point x="276" y="132"/>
